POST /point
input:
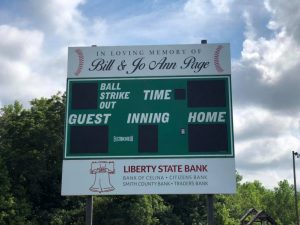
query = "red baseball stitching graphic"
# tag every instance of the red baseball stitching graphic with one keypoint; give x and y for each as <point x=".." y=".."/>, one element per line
<point x="217" y="60"/>
<point x="81" y="61"/>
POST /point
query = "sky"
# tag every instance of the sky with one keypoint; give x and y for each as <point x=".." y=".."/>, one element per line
<point x="265" y="53"/>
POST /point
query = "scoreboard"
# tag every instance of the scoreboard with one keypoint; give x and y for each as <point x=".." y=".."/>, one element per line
<point x="149" y="117"/>
<point x="152" y="119"/>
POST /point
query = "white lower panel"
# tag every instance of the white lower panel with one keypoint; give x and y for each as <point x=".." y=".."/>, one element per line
<point x="149" y="176"/>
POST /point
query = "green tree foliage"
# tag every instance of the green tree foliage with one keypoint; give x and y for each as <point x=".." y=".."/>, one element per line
<point x="232" y="207"/>
<point x="190" y="209"/>
<point x="31" y="146"/>
<point x="149" y="210"/>
<point x="278" y="203"/>
<point x="128" y="210"/>
<point x="7" y="206"/>
<point x="282" y="205"/>
<point x="31" y="149"/>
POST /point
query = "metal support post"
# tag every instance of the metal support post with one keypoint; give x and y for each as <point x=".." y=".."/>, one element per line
<point x="210" y="209"/>
<point x="295" y="187"/>
<point x="89" y="211"/>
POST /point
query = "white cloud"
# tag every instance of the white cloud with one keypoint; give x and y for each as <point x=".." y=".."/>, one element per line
<point x="256" y="123"/>
<point x="187" y="23"/>
<point x="33" y="61"/>
<point x="19" y="82"/>
<point x="196" y="8"/>
<point x="272" y="57"/>
<point x="285" y="16"/>
<point x="266" y="75"/>
<point x="265" y="79"/>
<point x="61" y="17"/>
<point x="17" y="44"/>
<point x="63" y="23"/>
<point x="222" y="6"/>
<point x="268" y="177"/>
<point x="263" y="138"/>
<point x="266" y="159"/>
<point x="23" y="75"/>
<point x="202" y="8"/>
<point x="266" y="95"/>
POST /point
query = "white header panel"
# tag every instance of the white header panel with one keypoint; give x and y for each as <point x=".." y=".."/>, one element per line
<point x="151" y="60"/>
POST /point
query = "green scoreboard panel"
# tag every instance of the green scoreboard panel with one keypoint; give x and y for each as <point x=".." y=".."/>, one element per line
<point x="144" y="117"/>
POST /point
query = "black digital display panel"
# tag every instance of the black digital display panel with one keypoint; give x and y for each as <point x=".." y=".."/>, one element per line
<point x="85" y="95"/>
<point x="89" y="139"/>
<point x="148" y="138"/>
<point x="179" y="94"/>
<point x="206" y="93"/>
<point x="208" y="138"/>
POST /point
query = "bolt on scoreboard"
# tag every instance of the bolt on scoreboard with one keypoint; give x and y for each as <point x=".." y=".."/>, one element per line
<point x="149" y="117"/>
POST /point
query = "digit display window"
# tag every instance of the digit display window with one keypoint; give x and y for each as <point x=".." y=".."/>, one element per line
<point x="88" y="139"/>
